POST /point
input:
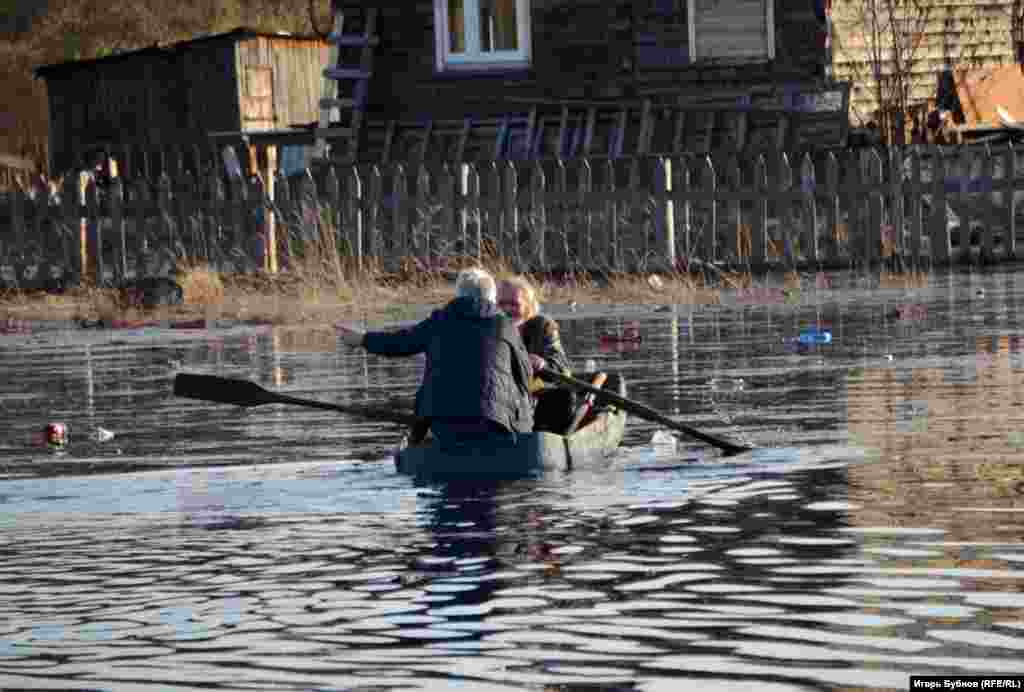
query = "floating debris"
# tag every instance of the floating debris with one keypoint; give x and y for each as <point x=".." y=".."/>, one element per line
<point x="815" y="336"/>
<point x="101" y="435"/>
<point x="727" y="384"/>
<point x="56" y="435"/>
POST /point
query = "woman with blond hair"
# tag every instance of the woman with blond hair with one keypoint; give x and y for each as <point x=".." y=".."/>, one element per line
<point x="518" y="299"/>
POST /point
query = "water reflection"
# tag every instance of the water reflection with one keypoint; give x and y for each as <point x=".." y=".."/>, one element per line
<point x="875" y="532"/>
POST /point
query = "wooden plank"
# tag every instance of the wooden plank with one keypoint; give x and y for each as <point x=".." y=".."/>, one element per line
<point x="338" y="73"/>
<point x="353" y="40"/>
<point x="428" y="131"/>
<point x="680" y="131"/>
<point x="588" y="137"/>
<point x="460" y="149"/>
<point x="337" y="103"/>
<point x="563" y="126"/>
<point x="333" y="132"/>
<point x="389" y="138"/>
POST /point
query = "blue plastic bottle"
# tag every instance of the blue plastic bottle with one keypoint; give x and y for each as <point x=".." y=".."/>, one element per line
<point x="815" y="336"/>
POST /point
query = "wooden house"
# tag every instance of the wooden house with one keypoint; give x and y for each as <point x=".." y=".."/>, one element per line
<point x="492" y="78"/>
<point x="173" y="96"/>
<point x="965" y="38"/>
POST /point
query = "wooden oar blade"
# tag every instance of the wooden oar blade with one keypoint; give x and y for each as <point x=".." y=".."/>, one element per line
<point x="221" y="390"/>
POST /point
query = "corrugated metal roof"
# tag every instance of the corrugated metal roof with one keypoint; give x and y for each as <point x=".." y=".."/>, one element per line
<point x="238" y="33"/>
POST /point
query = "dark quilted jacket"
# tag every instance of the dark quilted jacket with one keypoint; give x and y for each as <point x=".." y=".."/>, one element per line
<point x="540" y="334"/>
<point x="477" y="365"/>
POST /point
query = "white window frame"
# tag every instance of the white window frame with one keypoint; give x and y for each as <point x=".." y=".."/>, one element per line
<point x="474" y="58"/>
<point x="691" y="13"/>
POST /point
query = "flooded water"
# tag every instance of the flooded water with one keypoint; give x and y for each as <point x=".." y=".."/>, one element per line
<point x="877" y="530"/>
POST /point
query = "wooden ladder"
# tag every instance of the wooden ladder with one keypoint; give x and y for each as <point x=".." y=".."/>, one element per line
<point x="345" y="87"/>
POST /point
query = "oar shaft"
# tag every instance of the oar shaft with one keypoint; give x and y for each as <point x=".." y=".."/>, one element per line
<point x="646" y="412"/>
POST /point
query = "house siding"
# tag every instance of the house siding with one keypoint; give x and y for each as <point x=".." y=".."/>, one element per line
<point x="588" y="49"/>
<point x="958" y="34"/>
<point x="162" y="97"/>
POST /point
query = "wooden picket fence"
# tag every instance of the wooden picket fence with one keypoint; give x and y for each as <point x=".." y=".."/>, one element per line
<point x="773" y="211"/>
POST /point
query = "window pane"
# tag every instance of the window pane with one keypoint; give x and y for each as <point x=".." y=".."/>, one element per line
<point x="456" y="27"/>
<point x="498" y="28"/>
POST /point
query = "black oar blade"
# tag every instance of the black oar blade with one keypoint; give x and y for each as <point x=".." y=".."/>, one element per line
<point x="221" y="390"/>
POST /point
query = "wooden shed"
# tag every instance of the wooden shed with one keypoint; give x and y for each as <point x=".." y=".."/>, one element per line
<point x="173" y="95"/>
<point x="564" y="77"/>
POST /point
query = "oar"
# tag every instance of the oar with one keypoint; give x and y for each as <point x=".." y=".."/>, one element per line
<point x="245" y="393"/>
<point x="643" y="411"/>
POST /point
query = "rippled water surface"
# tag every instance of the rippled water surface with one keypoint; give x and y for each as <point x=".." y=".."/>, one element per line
<point x="877" y="531"/>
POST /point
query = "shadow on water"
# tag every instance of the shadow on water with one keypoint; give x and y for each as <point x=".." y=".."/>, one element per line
<point x="874" y="533"/>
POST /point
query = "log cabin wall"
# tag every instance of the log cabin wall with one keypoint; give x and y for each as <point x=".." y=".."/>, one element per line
<point x="626" y="50"/>
<point x="612" y="49"/>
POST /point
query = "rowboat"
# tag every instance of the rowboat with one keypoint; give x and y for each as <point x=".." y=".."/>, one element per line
<point x="524" y="454"/>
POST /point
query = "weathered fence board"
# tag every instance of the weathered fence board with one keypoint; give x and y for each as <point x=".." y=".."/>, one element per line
<point x="921" y="205"/>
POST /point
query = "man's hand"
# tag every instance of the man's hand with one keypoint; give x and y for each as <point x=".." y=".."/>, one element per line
<point x="352" y="337"/>
<point x="537" y="363"/>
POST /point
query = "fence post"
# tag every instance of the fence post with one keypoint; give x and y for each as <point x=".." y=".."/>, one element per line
<point x="424" y="214"/>
<point x="984" y="187"/>
<point x="682" y="189"/>
<point x="834" y="221"/>
<point x="1009" y="187"/>
<point x="709" y="187"/>
<point x="239" y="198"/>
<point x="472" y="213"/>
<point x="215" y="240"/>
<point x="184" y="204"/>
<point x="495" y="208"/>
<point x="15" y="252"/>
<point x="353" y="215"/>
<point x="611" y="254"/>
<point x="853" y="191"/>
<point x="285" y="210"/>
<point x="733" y="241"/>
<point x="558" y="237"/>
<point x="785" y="199"/>
<point x="914" y="192"/>
<point x="584" y="244"/>
<point x="809" y="188"/>
<point x="118" y="228"/>
<point x="449" y="200"/>
<point x="898" y="215"/>
<point x="92" y="245"/>
<point x="270" y="230"/>
<point x="538" y="217"/>
<point x="510" y="202"/>
<point x="873" y="237"/>
<point x="759" y="221"/>
<point x="71" y="206"/>
<point x="400" y="212"/>
<point x="962" y="165"/>
<point x="374" y="238"/>
<point x="140" y="206"/>
<point x="939" y="222"/>
<point x="664" y="224"/>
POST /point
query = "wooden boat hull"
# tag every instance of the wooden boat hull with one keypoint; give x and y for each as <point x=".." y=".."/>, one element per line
<point x="525" y="454"/>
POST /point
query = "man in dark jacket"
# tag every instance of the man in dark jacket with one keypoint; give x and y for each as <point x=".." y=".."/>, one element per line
<point x="476" y="381"/>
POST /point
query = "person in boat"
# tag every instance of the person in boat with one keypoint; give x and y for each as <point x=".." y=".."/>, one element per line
<point x="540" y="333"/>
<point x="477" y="376"/>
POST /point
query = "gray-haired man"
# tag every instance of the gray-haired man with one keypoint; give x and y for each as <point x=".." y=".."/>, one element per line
<point x="476" y="381"/>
